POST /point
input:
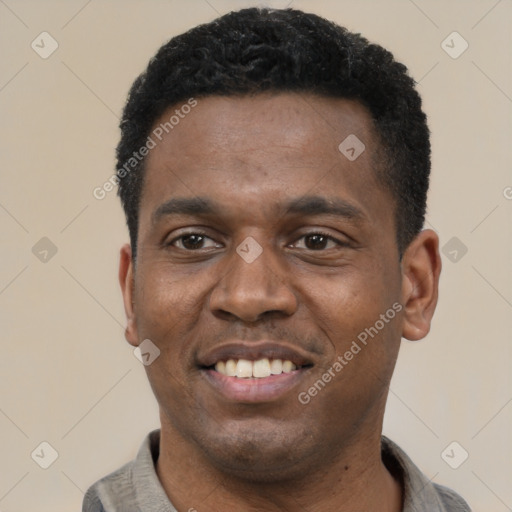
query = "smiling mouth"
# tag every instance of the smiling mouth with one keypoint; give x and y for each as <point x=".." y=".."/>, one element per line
<point x="257" y="369"/>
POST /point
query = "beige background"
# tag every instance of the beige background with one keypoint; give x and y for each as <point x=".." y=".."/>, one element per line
<point x="67" y="375"/>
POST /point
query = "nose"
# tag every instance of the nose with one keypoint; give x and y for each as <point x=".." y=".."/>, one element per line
<point x="251" y="289"/>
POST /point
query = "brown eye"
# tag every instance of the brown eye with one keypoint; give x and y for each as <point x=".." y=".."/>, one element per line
<point x="193" y="241"/>
<point x="316" y="242"/>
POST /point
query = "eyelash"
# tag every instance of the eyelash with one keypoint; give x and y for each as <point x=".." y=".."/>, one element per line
<point x="321" y="233"/>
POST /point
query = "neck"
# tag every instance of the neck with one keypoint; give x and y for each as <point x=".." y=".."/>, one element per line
<point x="357" y="479"/>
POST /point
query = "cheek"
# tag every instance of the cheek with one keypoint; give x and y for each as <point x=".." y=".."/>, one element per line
<point x="168" y="306"/>
<point x="352" y="298"/>
<point x="364" y="346"/>
<point x="358" y="311"/>
<point x="167" y="314"/>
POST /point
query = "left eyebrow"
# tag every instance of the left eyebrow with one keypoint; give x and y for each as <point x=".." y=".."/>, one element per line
<point x="317" y="205"/>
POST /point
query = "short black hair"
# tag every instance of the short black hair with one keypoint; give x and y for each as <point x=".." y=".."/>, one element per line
<point x="284" y="50"/>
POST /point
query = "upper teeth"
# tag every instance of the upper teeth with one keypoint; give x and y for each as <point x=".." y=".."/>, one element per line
<point x="243" y="368"/>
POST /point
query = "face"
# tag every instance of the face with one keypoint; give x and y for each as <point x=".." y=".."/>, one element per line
<point x="264" y="255"/>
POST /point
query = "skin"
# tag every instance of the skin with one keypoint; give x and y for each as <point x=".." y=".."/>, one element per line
<point x="251" y="156"/>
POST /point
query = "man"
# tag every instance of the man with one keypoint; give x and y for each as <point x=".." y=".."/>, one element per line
<point x="273" y="168"/>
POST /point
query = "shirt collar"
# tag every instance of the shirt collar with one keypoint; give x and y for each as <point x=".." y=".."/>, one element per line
<point x="419" y="493"/>
<point x="150" y="494"/>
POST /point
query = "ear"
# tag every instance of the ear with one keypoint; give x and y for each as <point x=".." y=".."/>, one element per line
<point x="421" y="267"/>
<point x="126" y="280"/>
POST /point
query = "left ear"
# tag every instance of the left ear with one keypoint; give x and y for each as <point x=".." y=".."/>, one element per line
<point x="421" y="267"/>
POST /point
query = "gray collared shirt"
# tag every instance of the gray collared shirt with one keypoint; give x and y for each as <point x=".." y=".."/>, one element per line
<point x="135" y="487"/>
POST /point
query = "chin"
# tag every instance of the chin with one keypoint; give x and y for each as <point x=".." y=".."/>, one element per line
<point x="263" y="455"/>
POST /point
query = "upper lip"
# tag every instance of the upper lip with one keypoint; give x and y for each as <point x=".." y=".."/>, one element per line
<point x="253" y="351"/>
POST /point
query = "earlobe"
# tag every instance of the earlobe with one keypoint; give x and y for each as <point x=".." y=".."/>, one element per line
<point x="421" y="268"/>
<point x="126" y="280"/>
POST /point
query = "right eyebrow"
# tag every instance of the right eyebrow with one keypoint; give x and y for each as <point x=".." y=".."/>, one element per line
<point x="185" y="206"/>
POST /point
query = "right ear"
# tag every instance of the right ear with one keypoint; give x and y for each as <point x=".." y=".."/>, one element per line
<point x="126" y="280"/>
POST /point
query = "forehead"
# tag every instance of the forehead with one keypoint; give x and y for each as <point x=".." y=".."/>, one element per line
<point x="255" y="151"/>
<point x="242" y="123"/>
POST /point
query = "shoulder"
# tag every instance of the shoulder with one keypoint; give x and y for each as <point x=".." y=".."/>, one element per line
<point x="131" y="485"/>
<point x="420" y="494"/>
<point x="451" y="501"/>
<point x="111" y="492"/>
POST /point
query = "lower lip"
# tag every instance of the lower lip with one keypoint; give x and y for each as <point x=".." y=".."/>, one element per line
<point x="266" y="389"/>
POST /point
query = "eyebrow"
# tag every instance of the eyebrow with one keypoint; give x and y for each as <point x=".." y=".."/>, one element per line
<point x="317" y="205"/>
<point x="185" y="206"/>
<point x="306" y="206"/>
